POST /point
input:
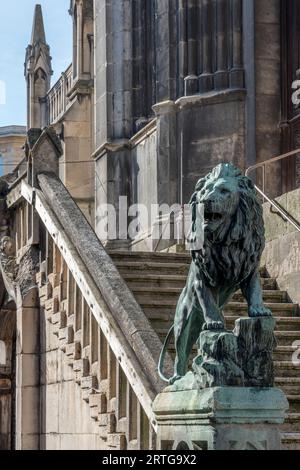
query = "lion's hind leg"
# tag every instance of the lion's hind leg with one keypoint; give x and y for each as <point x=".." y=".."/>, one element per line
<point x="186" y="336"/>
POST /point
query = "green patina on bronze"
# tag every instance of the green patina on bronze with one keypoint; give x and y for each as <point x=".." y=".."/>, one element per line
<point x="230" y="238"/>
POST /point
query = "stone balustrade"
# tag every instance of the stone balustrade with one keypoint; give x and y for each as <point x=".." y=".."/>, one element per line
<point x="57" y="99"/>
<point x="95" y="370"/>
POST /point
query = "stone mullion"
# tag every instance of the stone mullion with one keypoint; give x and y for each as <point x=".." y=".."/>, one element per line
<point x="138" y="51"/>
<point x="182" y="44"/>
<point x="206" y="78"/>
<point x="149" y="57"/>
<point x="191" y="81"/>
<point x="121" y="56"/>
<point x="221" y="74"/>
<point x="237" y="71"/>
<point x="164" y="29"/>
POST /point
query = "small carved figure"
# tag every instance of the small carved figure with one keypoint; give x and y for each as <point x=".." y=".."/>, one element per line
<point x="8" y="266"/>
<point x="231" y="239"/>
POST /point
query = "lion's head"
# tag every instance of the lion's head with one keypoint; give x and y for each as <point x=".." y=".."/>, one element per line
<point x="231" y="223"/>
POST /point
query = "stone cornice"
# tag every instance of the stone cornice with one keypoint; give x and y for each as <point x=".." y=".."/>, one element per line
<point x="203" y="99"/>
<point x="126" y="144"/>
<point x="8" y="131"/>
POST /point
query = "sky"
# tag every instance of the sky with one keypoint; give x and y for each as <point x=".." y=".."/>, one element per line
<point x="16" y="18"/>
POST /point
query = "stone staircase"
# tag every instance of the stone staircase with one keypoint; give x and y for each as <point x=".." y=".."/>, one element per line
<point x="157" y="280"/>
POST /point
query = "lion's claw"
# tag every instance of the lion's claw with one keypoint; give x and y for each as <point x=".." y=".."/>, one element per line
<point x="259" y="311"/>
<point x="213" y="326"/>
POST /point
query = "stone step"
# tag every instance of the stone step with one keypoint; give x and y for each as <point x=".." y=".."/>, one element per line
<point x="281" y="354"/>
<point x="294" y="402"/>
<point x="284" y="353"/>
<point x="45" y="291"/>
<point x="154" y="280"/>
<point x="172" y="294"/>
<point x="287" y="338"/>
<point x="173" y="280"/>
<point x="166" y="307"/>
<point x="66" y="335"/>
<point x="291" y="441"/>
<point x="98" y="404"/>
<point x="73" y="352"/>
<point x="284" y="338"/>
<point x="60" y="319"/>
<point x="292" y="422"/>
<point x="164" y="322"/>
<point x="102" y="423"/>
<point x="286" y="369"/>
<point x="163" y="267"/>
<point x="154" y="268"/>
<point x="290" y="385"/>
<point x="125" y="256"/>
<point x="89" y="386"/>
<point x="282" y="323"/>
<point x="138" y="256"/>
<point x="82" y="366"/>
<point x="278" y="309"/>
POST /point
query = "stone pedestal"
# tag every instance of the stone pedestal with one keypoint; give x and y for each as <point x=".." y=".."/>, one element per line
<point x="220" y="418"/>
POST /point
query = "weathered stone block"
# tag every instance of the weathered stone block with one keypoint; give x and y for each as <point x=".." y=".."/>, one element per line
<point x="217" y="362"/>
<point x="221" y="418"/>
<point x="256" y="343"/>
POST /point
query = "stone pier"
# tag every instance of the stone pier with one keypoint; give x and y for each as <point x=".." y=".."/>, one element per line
<point x="220" y="418"/>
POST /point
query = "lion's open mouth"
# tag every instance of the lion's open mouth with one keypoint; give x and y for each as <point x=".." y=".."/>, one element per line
<point x="212" y="217"/>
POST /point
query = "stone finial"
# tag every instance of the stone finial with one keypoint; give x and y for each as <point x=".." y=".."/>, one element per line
<point x="38" y="30"/>
<point x="38" y="71"/>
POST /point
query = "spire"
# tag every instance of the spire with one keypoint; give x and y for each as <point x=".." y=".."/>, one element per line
<point x="38" y="30"/>
<point x="38" y="72"/>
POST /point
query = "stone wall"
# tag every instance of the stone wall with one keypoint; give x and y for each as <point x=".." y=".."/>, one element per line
<point x="76" y="166"/>
<point x="12" y="141"/>
<point x="144" y="179"/>
<point x="268" y="83"/>
<point x="281" y="255"/>
<point x="213" y="131"/>
<point x="65" y="418"/>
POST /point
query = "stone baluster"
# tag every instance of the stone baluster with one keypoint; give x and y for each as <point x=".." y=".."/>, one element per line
<point x="221" y="74"/>
<point x="65" y="91"/>
<point x="131" y="412"/>
<point x="237" y="71"/>
<point x="85" y="324"/>
<point x="206" y="78"/>
<point x="51" y="107"/>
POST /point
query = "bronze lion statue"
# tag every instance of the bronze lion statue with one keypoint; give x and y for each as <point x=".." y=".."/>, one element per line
<point x="227" y="240"/>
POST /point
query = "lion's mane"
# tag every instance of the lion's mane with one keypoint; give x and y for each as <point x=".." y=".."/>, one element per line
<point x="233" y="258"/>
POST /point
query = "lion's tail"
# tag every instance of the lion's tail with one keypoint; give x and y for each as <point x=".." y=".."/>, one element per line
<point x="163" y="355"/>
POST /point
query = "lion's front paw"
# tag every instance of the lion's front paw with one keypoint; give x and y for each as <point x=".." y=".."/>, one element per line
<point x="259" y="311"/>
<point x="174" y="379"/>
<point x="213" y="326"/>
